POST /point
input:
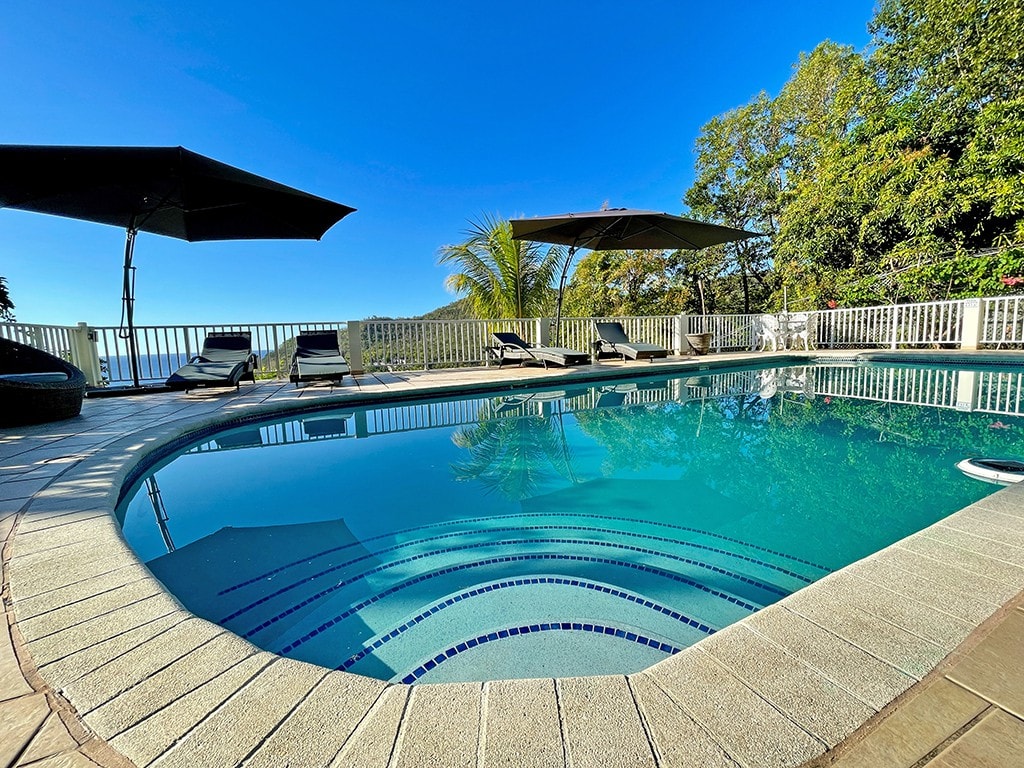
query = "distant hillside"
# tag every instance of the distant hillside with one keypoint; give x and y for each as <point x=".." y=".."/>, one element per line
<point x="457" y="310"/>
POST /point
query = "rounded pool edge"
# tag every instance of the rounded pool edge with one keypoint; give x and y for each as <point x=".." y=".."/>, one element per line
<point x="66" y="525"/>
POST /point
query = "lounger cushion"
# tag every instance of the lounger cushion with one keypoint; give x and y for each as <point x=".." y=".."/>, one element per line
<point x="613" y="339"/>
<point x="225" y="359"/>
<point x="512" y="347"/>
<point x="318" y="356"/>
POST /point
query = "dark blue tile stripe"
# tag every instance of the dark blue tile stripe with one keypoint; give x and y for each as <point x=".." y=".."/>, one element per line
<point x="449" y="602"/>
<point x="516" y="543"/>
<point x="478" y="564"/>
<point x="266" y="574"/>
<point x="526" y="629"/>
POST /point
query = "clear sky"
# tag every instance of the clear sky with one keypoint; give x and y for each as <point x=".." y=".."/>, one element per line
<point x="422" y="115"/>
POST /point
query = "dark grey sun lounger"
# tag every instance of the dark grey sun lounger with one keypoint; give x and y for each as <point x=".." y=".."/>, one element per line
<point x="510" y="348"/>
<point x="318" y="357"/>
<point x="226" y="359"/>
<point x="612" y="339"/>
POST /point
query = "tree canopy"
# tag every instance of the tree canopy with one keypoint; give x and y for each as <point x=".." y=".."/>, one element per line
<point x="892" y="175"/>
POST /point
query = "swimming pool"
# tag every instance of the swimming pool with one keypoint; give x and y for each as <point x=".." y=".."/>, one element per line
<point x="551" y="533"/>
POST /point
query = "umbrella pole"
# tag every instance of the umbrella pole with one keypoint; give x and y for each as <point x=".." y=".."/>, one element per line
<point x="561" y="292"/>
<point x="128" y="302"/>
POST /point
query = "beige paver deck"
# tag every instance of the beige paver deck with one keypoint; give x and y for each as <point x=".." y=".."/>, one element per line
<point x="99" y="666"/>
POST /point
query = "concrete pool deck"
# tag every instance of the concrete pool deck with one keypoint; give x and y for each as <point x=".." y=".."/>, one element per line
<point x="102" y="667"/>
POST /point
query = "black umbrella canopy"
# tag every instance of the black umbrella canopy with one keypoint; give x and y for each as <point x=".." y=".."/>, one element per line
<point x="164" y="190"/>
<point x="620" y="229"/>
<point x="625" y="229"/>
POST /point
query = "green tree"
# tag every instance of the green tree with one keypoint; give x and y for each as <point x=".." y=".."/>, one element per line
<point x="501" y="277"/>
<point x="6" y="305"/>
<point x="739" y="171"/>
<point x="902" y="172"/>
<point x="645" y="282"/>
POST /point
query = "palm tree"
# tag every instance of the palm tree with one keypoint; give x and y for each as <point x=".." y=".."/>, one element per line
<point x="502" y="277"/>
<point x="6" y="305"/>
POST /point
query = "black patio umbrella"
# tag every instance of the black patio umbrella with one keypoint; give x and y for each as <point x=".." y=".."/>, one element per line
<point x="164" y="190"/>
<point x="620" y="229"/>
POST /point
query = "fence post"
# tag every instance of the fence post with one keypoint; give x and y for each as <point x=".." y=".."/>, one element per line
<point x="895" y="320"/>
<point x="85" y="353"/>
<point x="973" y="327"/>
<point x="679" y="329"/>
<point x="966" y="389"/>
<point x="355" y="346"/>
<point x="543" y="331"/>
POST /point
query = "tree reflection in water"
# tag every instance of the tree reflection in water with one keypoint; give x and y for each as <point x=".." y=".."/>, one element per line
<point x="516" y="455"/>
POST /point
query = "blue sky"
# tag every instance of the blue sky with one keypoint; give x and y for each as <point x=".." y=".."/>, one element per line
<point x="422" y="115"/>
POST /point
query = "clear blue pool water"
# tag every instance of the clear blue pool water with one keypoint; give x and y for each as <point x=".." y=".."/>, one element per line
<point x="562" y="532"/>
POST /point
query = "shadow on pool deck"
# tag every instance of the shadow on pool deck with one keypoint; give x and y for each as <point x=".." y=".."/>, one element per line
<point x="967" y="711"/>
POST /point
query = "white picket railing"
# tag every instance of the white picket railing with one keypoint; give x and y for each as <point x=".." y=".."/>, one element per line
<point x="1003" y="321"/>
<point x="417" y="344"/>
<point x="728" y="332"/>
<point x="579" y="332"/>
<point x="403" y="344"/>
<point x="893" y="326"/>
<point x="163" y="349"/>
<point x="55" y="339"/>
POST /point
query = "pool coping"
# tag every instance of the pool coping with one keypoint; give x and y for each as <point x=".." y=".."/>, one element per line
<point x="777" y="689"/>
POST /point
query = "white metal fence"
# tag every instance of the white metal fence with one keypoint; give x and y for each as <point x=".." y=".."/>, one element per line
<point x="931" y="324"/>
<point x="402" y="344"/>
<point x="578" y="332"/>
<point x="165" y="348"/>
<point x="416" y="344"/>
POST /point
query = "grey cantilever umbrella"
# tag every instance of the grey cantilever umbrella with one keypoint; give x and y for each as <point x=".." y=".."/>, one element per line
<point x="621" y="229"/>
<point x="164" y="190"/>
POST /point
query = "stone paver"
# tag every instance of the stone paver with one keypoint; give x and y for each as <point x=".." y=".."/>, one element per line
<point x="150" y="737"/>
<point x="916" y="728"/>
<point x="12" y="680"/>
<point x="678" y="740"/>
<point x="809" y="699"/>
<point x="235" y="729"/>
<point x="520" y="726"/>
<point x="313" y="734"/>
<point x="996" y="742"/>
<point x="601" y="724"/>
<point x="373" y="741"/>
<point x="19" y="720"/>
<point x="441" y="726"/>
<point x="866" y="677"/>
<point x="986" y="671"/>
<point x="51" y="739"/>
<point x="717" y="701"/>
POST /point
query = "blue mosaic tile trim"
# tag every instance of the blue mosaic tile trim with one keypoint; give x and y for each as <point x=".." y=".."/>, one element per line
<point x="517" y="543"/>
<point x="448" y="603"/>
<point x="526" y="629"/>
<point x="263" y="576"/>
<point x="478" y="564"/>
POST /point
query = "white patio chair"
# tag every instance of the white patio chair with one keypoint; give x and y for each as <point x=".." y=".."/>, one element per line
<point x="770" y="333"/>
<point x="802" y="328"/>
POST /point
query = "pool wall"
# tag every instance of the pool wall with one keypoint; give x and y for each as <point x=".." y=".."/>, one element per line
<point x="162" y="686"/>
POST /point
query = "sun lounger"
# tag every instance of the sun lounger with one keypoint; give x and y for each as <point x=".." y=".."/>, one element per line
<point x="318" y="357"/>
<point x="226" y="359"/>
<point x="612" y="340"/>
<point x="510" y="347"/>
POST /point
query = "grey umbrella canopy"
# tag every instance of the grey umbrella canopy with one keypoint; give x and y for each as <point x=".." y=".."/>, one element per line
<point x="621" y="229"/>
<point x="164" y="190"/>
